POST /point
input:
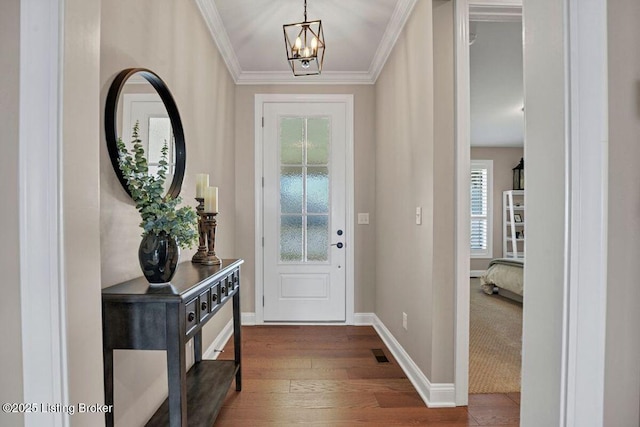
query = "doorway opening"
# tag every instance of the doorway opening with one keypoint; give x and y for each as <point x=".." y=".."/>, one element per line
<point x="497" y="207"/>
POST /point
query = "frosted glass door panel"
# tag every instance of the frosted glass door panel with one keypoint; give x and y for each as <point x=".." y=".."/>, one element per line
<point x="291" y="140"/>
<point x="318" y="238"/>
<point x="291" y="190"/>
<point x="318" y="137"/>
<point x="304" y="189"/>
<point x="291" y="235"/>
<point x="317" y="190"/>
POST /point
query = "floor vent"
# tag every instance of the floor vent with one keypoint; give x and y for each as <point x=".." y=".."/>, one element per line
<point x="379" y="354"/>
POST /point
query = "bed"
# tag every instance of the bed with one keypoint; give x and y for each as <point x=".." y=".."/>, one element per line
<point x="507" y="275"/>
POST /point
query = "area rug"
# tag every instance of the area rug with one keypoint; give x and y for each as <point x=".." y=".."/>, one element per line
<point x="495" y="342"/>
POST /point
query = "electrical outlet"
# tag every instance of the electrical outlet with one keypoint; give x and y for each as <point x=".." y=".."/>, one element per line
<point x="363" y="218"/>
<point x="404" y="321"/>
<point x="418" y="215"/>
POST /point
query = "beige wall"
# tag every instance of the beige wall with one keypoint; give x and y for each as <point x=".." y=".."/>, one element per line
<point x="170" y="38"/>
<point x="504" y="160"/>
<point x="11" y="335"/>
<point x="622" y="370"/>
<point x="412" y="274"/>
<point x="364" y="171"/>
<point x="545" y="172"/>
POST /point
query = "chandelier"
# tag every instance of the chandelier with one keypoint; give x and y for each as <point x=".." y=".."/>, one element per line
<point x="304" y="42"/>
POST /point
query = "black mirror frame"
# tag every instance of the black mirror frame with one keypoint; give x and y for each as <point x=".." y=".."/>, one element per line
<point x="111" y="123"/>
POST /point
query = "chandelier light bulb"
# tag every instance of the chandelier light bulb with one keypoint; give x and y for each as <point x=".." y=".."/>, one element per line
<point x="298" y="43"/>
<point x="314" y="44"/>
<point x="306" y="52"/>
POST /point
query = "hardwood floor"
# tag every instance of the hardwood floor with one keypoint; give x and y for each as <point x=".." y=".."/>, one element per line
<point x="328" y="376"/>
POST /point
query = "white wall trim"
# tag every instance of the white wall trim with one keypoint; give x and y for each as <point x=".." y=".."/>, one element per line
<point x="584" y="326"/>
<point x="390" y="37"/>
<point x="434" y="395"/>
<point x="285" y="77"/>
<point x="247" y="318"/>
<point x="364" y="319"/>
<point x="462" y="195"/>
<point x="476" y="273"/>
<point x="219" y="342"/>
<point x="219" y="34"/>
<point x="42" y="286"/>
<point x="494" y="3"/>
<point x="494" y="13"/>
<point x="359" y="319"/>
<point x="347" y="99"/>
<point x="396" y="24"/>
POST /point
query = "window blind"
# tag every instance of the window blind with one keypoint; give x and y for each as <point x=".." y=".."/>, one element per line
<point x="480" y="209"/>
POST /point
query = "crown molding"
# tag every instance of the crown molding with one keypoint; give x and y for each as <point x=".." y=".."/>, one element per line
<point x="218" y="32"/>
<point x="285" y="77"/>
<point x="390" y="37"/>
<point x="495" y="10"/>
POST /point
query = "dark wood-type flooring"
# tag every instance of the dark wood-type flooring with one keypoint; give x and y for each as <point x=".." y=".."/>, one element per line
<point x="328" y="376"/>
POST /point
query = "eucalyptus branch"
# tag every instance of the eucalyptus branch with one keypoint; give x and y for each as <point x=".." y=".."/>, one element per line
<point x="160" y="213"/>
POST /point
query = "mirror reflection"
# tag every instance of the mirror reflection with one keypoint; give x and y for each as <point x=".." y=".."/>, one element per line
<point x="139" y="102"/>
<point x="138" y="95"/>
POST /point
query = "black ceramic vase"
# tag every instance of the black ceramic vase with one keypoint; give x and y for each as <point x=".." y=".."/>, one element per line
<point x="158" y="256"/>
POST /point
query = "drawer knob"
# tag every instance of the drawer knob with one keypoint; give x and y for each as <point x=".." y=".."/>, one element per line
<point x="223" y="290"/>
<point x="214" y="297"/>
<point x="191" y="316"/>
<point x="203" y="306"/>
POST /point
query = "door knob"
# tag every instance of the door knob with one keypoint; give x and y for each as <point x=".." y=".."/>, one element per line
<point x="340" y="245"/>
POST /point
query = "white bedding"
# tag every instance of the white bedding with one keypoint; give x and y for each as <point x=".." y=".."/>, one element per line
<point x="505" y="274"/>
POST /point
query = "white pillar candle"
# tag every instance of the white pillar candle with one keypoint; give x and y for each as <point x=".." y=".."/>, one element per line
<point x="211" y="200"/>
<point x="202" y="182"/>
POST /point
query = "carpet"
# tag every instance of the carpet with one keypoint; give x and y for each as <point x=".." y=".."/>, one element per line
<point x="495" y="342"/>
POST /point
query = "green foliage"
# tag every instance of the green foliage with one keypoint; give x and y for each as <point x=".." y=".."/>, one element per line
<point x="159" y="214"/>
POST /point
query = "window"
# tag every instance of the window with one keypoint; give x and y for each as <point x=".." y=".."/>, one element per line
<point x="481" y="208"/>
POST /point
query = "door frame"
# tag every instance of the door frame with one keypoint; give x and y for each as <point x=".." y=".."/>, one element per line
<point x="347" y="99"/>
<point x="584" y="309"/>
<point x="507" y="10"/>
<point x="44" y="330"/>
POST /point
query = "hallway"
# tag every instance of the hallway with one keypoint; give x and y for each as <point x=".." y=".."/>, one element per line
<point x="328" y="375"/>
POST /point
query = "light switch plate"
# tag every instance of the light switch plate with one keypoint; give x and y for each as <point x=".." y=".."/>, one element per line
<point x="418" y="215"/>
<point x="363" y="218"/>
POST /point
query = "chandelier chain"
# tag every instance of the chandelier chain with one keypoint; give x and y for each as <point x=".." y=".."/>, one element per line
<point x="305" y="10"/>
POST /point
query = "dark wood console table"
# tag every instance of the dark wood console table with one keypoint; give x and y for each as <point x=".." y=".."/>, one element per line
<point x="136" y="316"/>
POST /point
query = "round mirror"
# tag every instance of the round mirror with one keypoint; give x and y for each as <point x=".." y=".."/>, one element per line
<point x="138" y="95"/>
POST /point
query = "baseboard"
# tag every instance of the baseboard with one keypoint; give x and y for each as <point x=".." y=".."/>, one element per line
<point x="248" y="319"/>
<point x="476" y="273"/>
<point x="363" y="319"/>
<point x="219" y="342"/>
<point x="359" y="319"/>
<point x="434" y="395"/>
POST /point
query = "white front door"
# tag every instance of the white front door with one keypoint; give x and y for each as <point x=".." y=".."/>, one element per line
<point x="304" y="213"/>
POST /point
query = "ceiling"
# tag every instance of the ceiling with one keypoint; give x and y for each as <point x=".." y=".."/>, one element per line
<point x="359" y="35"/>
<point x="496" y="82"/>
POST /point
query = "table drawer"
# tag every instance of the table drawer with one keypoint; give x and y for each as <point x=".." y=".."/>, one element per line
<point x="205" y="304"/>
<point x="224" y="289"/>
<point x="215" y="296"/>
<point x="191" y="315"/>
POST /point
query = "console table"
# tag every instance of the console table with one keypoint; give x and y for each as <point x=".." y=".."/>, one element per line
<point x="136" y="316"/>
